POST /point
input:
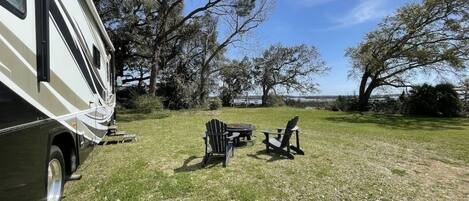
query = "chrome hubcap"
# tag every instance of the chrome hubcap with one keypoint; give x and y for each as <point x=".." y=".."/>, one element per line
<point x="54" y="180"/>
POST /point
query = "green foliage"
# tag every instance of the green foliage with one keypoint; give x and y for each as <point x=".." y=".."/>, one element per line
<point x="245" y="7"/>
<point x="288" y="67"/>
<point x="237" y="77"/>
<point x="309" y="104"/>
<point x="345" y="103"/>
<point x="215" y="103"/>
<point x="420" y="38"/>
<point x="448" y="102"/>
<point x="177" y="89"/>
<point x="387" y="106"/>
<point x="147" y="104"/>
<point x="275" y="101"/>
<point x="441" y="100"/>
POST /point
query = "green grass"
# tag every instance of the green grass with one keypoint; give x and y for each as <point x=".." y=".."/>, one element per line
<point x="349" y="156"/>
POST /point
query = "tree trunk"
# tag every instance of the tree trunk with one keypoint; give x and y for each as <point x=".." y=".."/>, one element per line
<point x="365" y="92"/>
<point x="363" y="100"/>
<point x="265" y="95"/>
<point x="202" y="86"/>
<point x="154" y="72"/>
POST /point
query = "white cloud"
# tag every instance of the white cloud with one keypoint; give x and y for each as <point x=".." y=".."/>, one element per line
<point x="364" y="11"/>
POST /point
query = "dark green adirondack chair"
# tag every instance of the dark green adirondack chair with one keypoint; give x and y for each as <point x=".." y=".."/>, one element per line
<point x="218" y="141"/>
<point x="280" y="143"/>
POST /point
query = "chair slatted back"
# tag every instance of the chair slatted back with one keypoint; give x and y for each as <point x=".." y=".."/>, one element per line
<point x="288" y="131"/>
<point x="216" y="135"/>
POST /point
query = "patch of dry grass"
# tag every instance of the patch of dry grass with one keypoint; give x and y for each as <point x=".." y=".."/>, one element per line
<point x="348" y="157"/>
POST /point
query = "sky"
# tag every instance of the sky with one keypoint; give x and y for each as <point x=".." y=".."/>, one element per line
<point x="329" y="25"/>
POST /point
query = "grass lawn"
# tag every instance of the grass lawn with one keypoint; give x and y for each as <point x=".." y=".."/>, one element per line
<point x="348" y="157"/>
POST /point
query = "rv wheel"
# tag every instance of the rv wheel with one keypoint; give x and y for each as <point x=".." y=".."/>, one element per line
<point x="55" y="174"/>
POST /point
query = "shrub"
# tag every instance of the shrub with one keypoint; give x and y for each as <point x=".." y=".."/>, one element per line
<point x="275" y="101"/>
<point x="126" y="96"/>
<point x="344" y="103"/>
<point x="388" y="105"/>
<point x="295" y="103"/>
<point x="422" y="101"/>
<point x="215" y="104"/>
<point x="441" y="100"/>
<point x="177" y="93"/>
<point x="147" y="104"/>
<point x="448" y="103"/>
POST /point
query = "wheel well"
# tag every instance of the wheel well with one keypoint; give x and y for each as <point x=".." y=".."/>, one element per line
<point x="67" y="145"/>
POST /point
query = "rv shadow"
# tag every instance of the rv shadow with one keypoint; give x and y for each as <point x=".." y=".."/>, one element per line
<point x="400" y="122"/>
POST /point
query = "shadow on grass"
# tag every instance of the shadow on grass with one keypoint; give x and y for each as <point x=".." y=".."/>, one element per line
<point x="273" y="156"/>
<point x="131" y="115"/>
<point x="214" y="161"/>
<point x="401" y="122"/>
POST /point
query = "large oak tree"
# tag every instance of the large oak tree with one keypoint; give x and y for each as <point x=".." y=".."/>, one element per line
<point x="431" y="37"/>
<point x="288" y="68"/>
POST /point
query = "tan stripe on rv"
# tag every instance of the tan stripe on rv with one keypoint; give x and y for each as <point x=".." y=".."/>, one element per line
<point x="19" y="46"/>
<point x="26" y="80"/>
<point x="30" y="57"/>
<point x="66" y="92"/>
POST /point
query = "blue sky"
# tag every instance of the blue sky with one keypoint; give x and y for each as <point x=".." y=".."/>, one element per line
<point x="330" y="25"/>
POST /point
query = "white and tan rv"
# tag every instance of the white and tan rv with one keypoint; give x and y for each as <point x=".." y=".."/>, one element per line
<point x="56" y="93"/>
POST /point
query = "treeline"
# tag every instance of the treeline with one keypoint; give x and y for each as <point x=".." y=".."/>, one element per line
<point x="441" y="100"/>
<point x="178" y="53"/>
<point x="175" y="52"/>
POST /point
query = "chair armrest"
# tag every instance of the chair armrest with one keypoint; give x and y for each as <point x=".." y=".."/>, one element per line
<point x="274" y="133"/>
<point x="233" y="136"/>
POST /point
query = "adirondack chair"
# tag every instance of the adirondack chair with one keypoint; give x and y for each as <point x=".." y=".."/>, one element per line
<point x="281" y="142"/>
<point x="218" y="141"/>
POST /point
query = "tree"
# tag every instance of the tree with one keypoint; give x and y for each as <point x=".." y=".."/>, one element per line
<point x="128" y="35"/>
<point x="464" y="88"/>
<point x="239" y="17"/>
<point x="429" y="38"/>
<point x="156" y="30"/>
<point x="288" y="67"/>
<point x="236" y="78"/>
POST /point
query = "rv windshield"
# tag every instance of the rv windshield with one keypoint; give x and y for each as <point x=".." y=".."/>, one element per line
<point x="20" y="5"/>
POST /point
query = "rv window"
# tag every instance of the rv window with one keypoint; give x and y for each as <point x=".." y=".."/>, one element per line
<point x="96" y="57"/>
<point x="17" y="7"/>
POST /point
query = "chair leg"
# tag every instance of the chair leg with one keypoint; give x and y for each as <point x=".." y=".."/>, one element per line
<point x="206" y="159"/>
<point x="285" y="153"/>
<point x="297" y="150"/>
<point x="267" y="147"/>
<point x="227" y="160"/>
<point x="290" y="156"/>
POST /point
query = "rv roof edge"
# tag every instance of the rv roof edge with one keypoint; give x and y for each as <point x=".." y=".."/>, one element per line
<point x="100" y="24"/>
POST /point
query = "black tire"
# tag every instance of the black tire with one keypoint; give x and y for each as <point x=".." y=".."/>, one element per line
<point x="56" y="153"/>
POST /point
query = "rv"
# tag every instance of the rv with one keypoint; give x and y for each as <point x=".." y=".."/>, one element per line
<point x="56" y="93"/>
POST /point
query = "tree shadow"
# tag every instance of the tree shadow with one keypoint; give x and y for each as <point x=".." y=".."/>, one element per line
<point x="132" y="115"/>
<point x="273" y="156"/>
<point x="214" y="161"/>
<point x="401" y="122"/>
